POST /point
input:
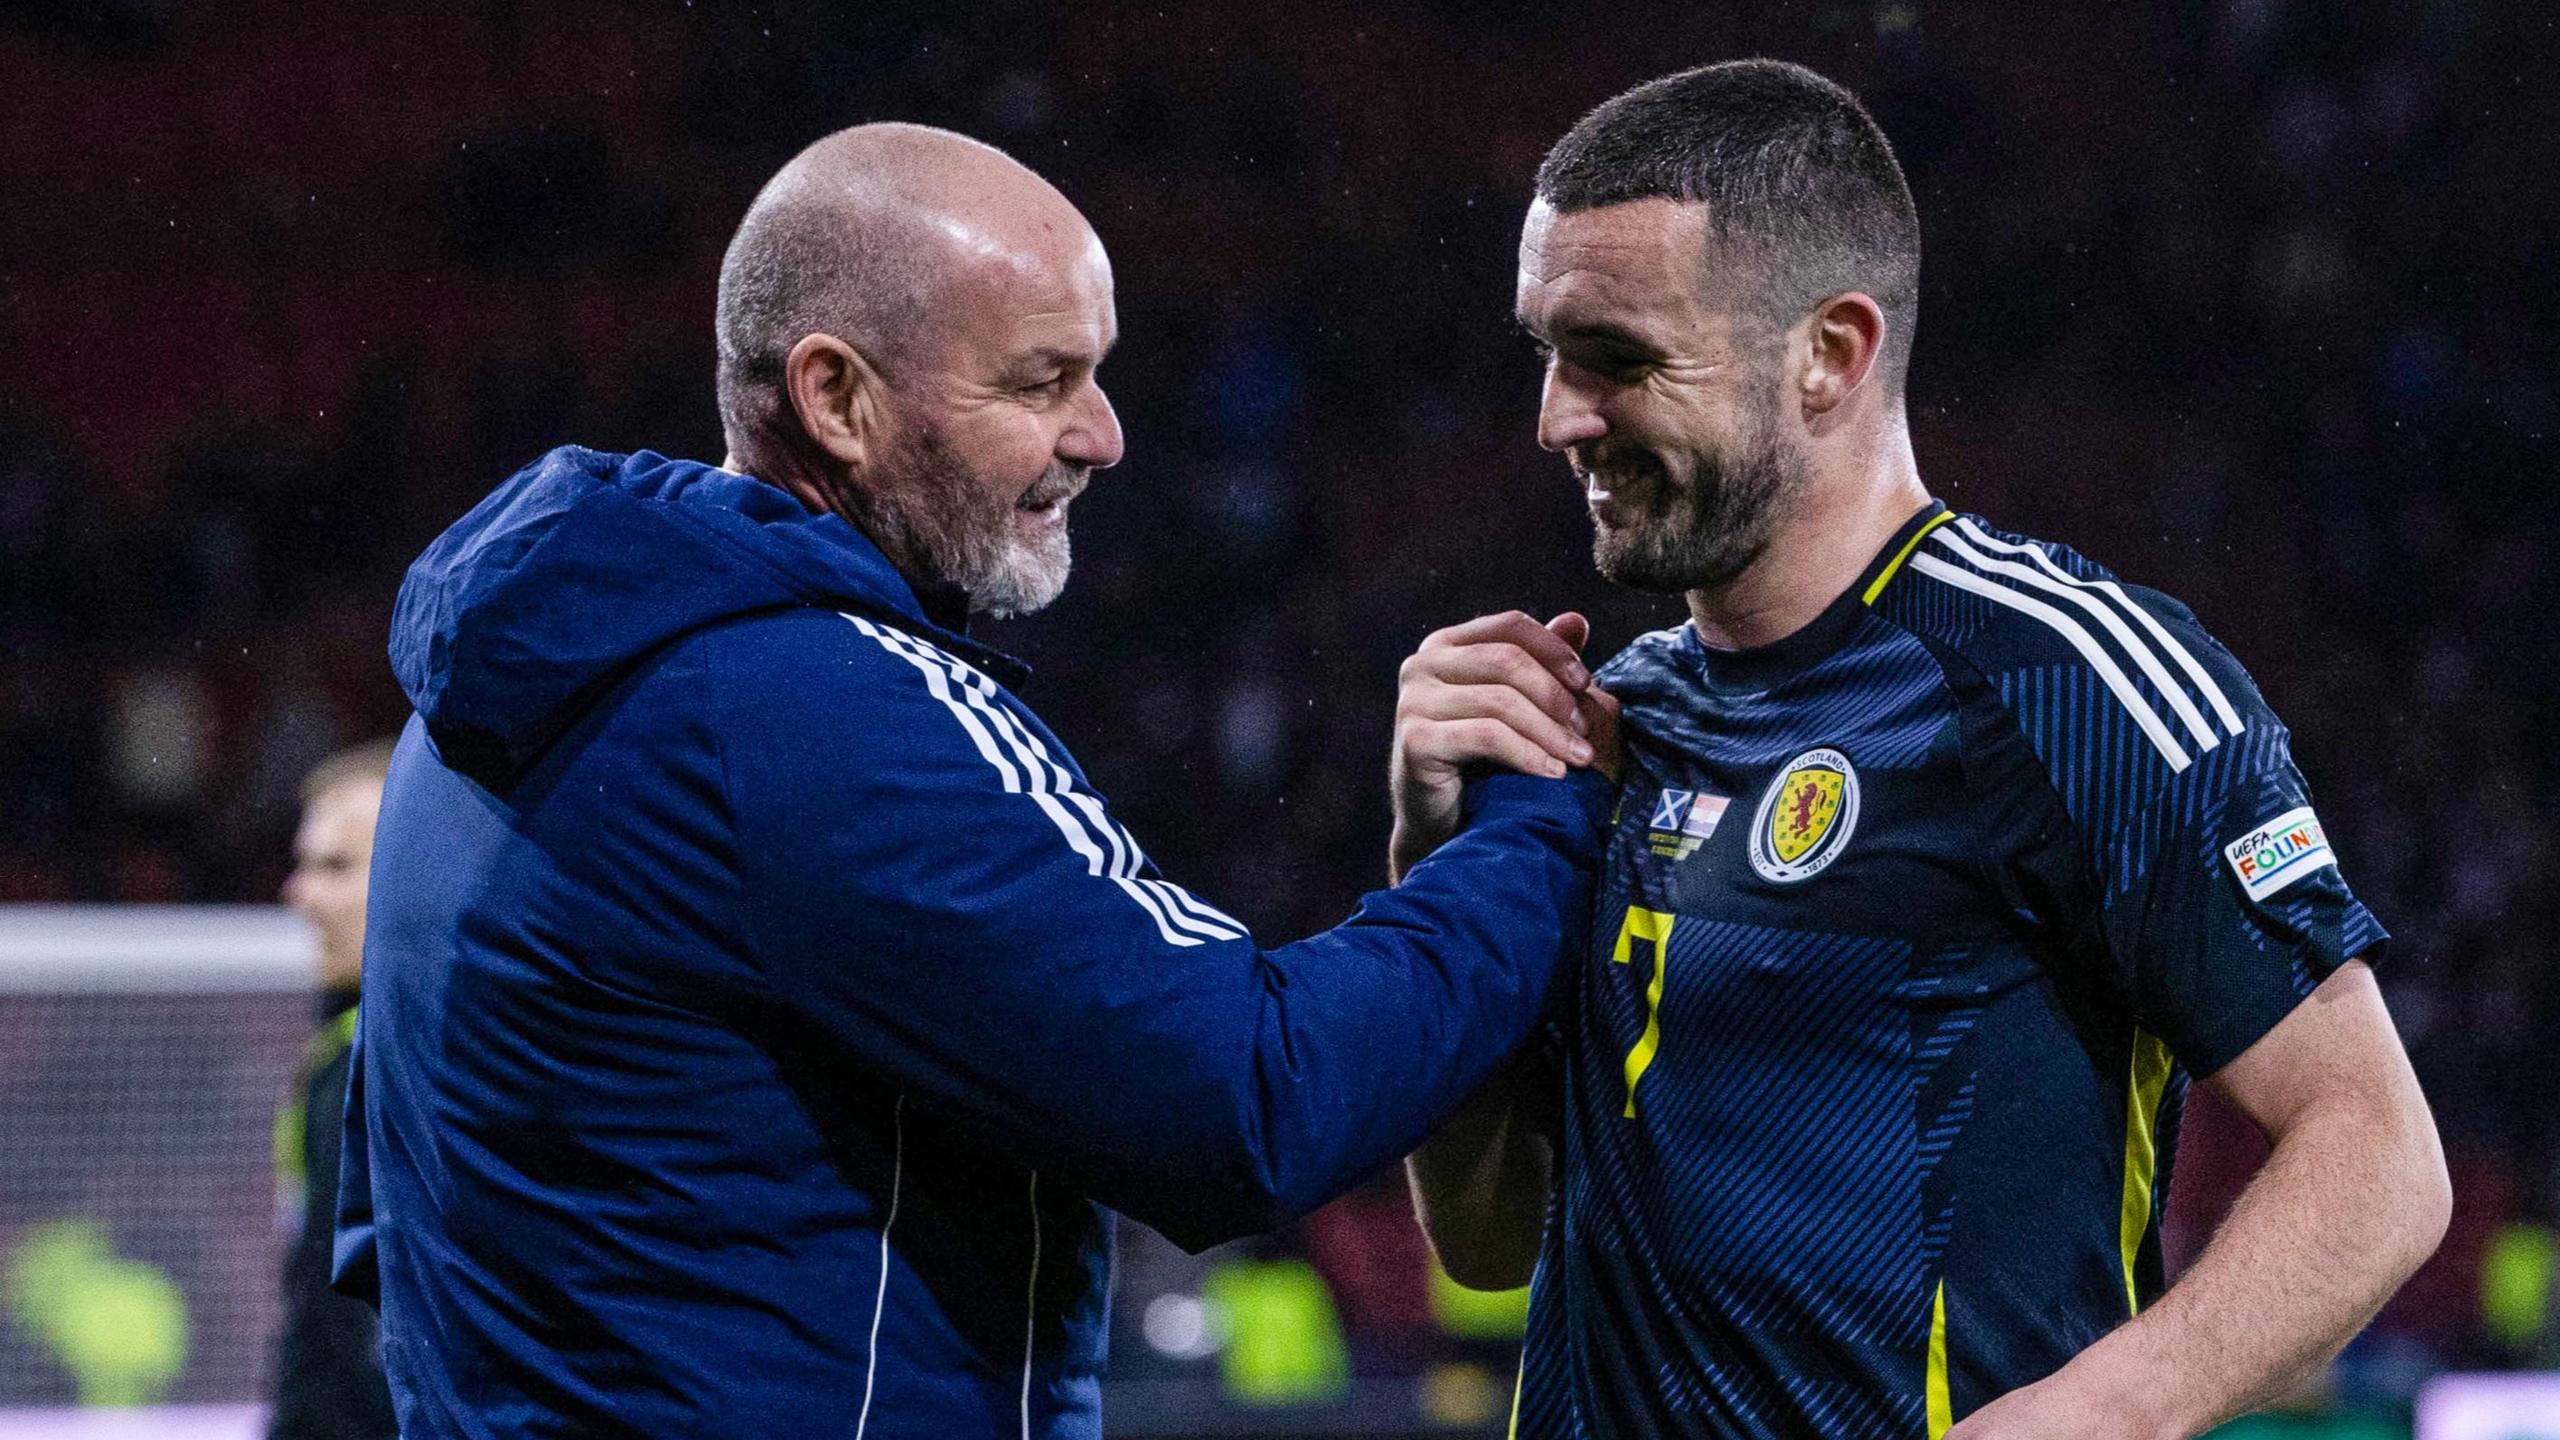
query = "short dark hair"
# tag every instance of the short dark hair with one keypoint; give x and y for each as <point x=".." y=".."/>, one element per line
<point x="1802" y="191"/>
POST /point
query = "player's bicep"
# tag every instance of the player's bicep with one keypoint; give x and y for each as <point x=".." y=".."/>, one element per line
<point x="2338" y="1044"/>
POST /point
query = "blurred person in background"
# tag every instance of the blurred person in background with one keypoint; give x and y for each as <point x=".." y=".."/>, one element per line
<point x="329" y="1383"/>
<point x="1942" y="859"/>
<point x="762" y="1005"/>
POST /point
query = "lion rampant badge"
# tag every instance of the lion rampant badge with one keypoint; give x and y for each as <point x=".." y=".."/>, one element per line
<point x="1806" y="817"/>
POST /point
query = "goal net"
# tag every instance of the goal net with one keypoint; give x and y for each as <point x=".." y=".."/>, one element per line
<point x="144" y="1053"/>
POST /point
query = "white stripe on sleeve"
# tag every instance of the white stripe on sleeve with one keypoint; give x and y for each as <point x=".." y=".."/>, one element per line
<point x="1002" y="740"/>
<point x="2152" y="669"/>
<point x="1184" y="909"/>
<point x="2169" y="643"/>
<point x="1052" y="779"/>
<point x="1031" y="1307"/>
<point x="2081" y="640"/>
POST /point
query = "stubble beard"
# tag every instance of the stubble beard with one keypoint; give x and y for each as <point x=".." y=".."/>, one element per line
<point x="1704" y="534"/>
<point x="942" y="526"/>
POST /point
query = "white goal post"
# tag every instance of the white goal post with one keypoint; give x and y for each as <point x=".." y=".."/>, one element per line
<point x="153" y="949"/>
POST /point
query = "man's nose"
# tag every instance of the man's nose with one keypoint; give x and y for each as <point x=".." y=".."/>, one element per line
<point x="1566" y="415"/>
<point x="1093" y="438"/>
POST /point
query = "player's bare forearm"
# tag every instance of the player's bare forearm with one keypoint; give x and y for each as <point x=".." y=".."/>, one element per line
<point x="1480" y="1182"/>
<point x="2351" y="1201"/>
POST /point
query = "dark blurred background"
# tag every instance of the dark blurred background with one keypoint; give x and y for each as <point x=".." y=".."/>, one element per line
<point x="2250" y="300"/>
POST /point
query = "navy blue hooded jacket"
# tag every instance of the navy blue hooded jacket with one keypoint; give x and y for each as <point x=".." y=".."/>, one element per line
<point x="760" y="1006"/>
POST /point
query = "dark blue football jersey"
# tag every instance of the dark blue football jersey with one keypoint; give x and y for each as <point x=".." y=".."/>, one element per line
<point x="1913" y="925"/>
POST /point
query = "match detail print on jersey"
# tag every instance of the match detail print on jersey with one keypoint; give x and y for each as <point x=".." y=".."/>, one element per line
<point x="1806" y="818"/>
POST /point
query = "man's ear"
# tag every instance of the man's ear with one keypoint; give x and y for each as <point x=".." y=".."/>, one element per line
<point x="839" y="397"/>
<point x="1842" y="340"/>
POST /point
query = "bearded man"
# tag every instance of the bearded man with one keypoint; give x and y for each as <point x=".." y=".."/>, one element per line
<point x="761" y="1006"/>
<point x="1942" y="860"/>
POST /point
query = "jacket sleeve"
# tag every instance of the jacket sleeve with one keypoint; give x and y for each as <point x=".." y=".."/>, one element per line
<point x="930" y="880"/>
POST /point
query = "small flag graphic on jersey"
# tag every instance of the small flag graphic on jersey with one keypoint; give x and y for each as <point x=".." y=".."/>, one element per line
<point x="1668" y="810"/>
<point x="1683" y="820"/>
<point x="1704" y="812"/>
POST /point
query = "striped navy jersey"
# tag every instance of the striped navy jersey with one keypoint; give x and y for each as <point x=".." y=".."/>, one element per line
<point x="1912" y="926"/>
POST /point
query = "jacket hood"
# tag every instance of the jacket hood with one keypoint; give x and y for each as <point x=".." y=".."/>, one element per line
<point x="584" y="563"/>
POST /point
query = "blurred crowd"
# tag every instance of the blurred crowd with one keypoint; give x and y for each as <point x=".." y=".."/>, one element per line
<point x="2247" y="299"/>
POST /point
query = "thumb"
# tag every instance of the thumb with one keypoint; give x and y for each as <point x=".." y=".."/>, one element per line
<point x="1572" y="629"/>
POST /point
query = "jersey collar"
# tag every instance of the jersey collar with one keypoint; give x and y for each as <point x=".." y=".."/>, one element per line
<point x="1744" y="672"/>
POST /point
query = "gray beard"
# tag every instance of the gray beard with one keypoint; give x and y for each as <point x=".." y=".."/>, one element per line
<point x="940" y="527"/>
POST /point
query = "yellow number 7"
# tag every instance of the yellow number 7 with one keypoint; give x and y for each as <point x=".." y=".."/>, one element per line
<point x="1654" y="928"/>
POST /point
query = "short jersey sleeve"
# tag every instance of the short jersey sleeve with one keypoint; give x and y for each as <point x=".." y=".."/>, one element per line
<point x="2219" y="899"/>
<point x="2222" y="904"/>
<point x="2157" y="819"/>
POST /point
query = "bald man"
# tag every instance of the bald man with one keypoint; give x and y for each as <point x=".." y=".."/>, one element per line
<point x="761" y="1005"/>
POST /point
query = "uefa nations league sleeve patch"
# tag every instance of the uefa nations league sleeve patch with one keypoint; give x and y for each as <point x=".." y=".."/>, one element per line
<point x="2279" y="852"/>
